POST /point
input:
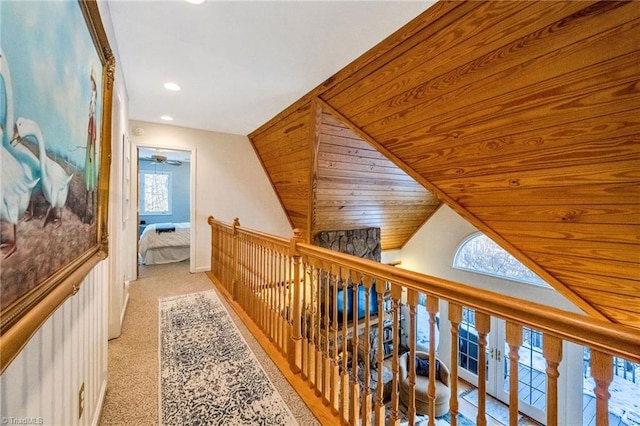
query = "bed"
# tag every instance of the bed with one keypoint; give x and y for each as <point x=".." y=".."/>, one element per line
<point x="165" y="243"/>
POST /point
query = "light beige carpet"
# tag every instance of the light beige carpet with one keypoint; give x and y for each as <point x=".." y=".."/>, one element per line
<point x="132" y="393"/>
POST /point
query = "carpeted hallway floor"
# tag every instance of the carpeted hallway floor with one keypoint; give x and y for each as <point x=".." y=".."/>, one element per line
<point x="132" y="393"/>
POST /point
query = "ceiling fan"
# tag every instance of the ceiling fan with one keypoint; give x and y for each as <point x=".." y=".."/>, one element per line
<point x="161" y="159"/>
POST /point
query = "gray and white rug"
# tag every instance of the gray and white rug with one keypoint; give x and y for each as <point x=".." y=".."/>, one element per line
<point x="208" y="374"/>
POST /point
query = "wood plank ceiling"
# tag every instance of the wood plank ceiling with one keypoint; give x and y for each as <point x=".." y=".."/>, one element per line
<point x="329" y="178"/>
<point x="524" y="117"/>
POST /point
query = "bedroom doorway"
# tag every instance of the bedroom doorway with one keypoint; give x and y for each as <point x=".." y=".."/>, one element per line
<point x="165" y="206"/>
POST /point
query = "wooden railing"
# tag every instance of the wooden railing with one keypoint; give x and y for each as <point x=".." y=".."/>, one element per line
<point x="292" y="291"/>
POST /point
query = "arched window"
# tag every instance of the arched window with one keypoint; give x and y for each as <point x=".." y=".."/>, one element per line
<point x="478" y="253"/>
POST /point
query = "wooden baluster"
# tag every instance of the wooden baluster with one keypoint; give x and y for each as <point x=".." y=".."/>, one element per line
<point x="326" y="364"/>
<point x="260" y="295"/>
<point x="228" y="244"/>
<point x="380" y="410"/>
<point x="344" y="390"/>
<point x="263" y="293"/>
<point x="432" y="309"/>
<point x="257" y="262"/>
<point x="274" y="299"/>
<point x="394" y="417"/>
<point x="335" y="367"/>
<point x="282" y="314"/>
<point x="305" y="321"/>
<point x="514" y="340"/>
<point x="249" y="283"/>
<point x="247" y="277"/>
<point x="260" y="258"/>
<point x="286" y="309"/>
<point x="319" y="334"/>
<point x="266" y="255"/>
<point x="312" y="328"/>
<point x="252" y="253"/>
<point x="272" y="294"/>
<point x="277" y="314"/>
<point x="297" y="309"/>
<point x="239" y="279"/>
<point x="483" y="327"/>
<point x="552" y="351"/>
<point x="455" y="317"/>
<point x="234" y="281"/>
<point x="319" y="365"/>
<point x="367" y="400"/>
<point x="602" y="372"/>
<point x="355" y="386"/>
<point x="290" y="315"/>
<point x="282" y="309"/>
<point x="412" y="300"/>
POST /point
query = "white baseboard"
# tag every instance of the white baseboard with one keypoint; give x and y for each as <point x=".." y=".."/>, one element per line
<point x="124" y="306"/>
<point x="203" y="269"/>
<point x="98" y="413"/>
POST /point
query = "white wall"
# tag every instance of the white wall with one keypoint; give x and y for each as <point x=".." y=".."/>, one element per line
<point x="122" y="258"/>
<point x="69" y="349"/>
<point x="431" y="251"/>
<point x="229" y="182"/>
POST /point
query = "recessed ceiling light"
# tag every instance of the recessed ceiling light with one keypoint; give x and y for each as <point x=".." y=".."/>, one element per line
<point x="195" y="1"/>
<point x="171" y="86"/>
<point x="167" y="118"/>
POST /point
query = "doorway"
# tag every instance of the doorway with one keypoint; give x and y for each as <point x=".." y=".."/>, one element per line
<point x="165" y="199"/>
<point x="531" y="365"/>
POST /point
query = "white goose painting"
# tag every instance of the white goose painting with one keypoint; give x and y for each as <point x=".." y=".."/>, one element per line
<point x="55" y="181"/>
<point x="47" y="221"/>
<point x="16" y="187"/>
<point x="22" y="154"/>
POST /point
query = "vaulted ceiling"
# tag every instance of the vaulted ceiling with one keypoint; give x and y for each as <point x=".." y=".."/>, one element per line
<point x="524" y="117"/>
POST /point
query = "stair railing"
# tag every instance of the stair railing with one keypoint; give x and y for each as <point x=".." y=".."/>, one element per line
<point x="298" y="294"/>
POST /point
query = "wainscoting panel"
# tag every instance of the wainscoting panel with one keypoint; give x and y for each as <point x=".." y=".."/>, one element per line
<point x="43" y="383"/>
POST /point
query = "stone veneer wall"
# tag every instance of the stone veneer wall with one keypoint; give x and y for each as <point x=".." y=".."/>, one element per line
<point x="363" y="243"/>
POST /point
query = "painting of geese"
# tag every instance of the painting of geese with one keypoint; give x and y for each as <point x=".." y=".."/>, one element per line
<point x="16" y="186"/>
<point x="55" y="181"/>
<point x="56" y="87"/>
<point x="21" y="153"/>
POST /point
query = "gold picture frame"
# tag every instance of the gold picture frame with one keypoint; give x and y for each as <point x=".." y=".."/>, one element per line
<point x="76" y="57"/>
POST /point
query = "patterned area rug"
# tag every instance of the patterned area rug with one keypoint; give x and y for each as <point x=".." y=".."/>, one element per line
<point x="208" y="374"/>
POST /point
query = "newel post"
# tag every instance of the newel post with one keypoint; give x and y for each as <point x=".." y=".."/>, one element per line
<point x="295" y="344"/>
<point x="211" y="221"/>
<point x="235" y="249"/>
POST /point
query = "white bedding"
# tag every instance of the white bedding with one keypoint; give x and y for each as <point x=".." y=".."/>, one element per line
<point x="165" y="247"/>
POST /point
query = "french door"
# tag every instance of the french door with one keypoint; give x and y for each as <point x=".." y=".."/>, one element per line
<point x="532" y="384"/>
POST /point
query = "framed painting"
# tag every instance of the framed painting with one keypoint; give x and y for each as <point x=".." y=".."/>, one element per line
<point x="56" y="85"/>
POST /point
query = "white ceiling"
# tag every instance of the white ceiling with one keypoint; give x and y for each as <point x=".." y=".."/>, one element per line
<point x="240" y="63"/>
